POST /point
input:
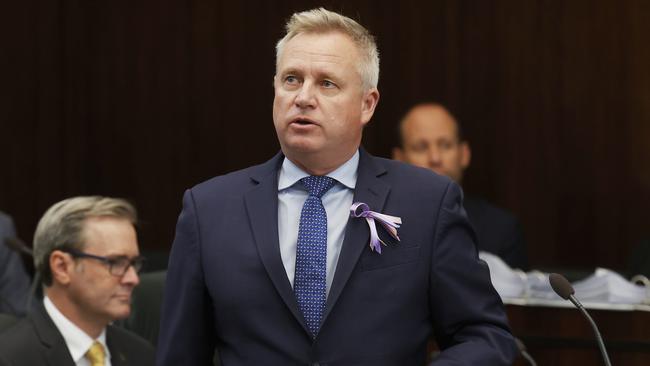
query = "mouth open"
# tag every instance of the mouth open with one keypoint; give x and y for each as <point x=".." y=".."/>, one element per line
<point x="300" y="121"/>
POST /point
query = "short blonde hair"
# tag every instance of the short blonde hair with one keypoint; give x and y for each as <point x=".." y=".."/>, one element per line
<point x="62" y="225"/>
<point x="322" y="21"/>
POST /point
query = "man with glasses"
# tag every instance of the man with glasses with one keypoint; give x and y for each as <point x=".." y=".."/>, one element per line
<point x="86" y="254"/>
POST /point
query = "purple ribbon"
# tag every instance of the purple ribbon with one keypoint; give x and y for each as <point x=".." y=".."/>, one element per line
<point x="390" y="223"/>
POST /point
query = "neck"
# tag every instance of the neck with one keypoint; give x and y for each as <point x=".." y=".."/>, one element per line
<point x="73" y="312"/>
<point x="316" y="164"/>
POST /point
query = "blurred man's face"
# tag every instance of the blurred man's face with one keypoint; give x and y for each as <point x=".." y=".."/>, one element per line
<point x="320" y="107"/>
<point x="430" y="140"/>
<point x="98" y="294"/>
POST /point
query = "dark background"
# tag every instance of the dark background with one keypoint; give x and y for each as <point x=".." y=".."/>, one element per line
<point x="142" y="99"/>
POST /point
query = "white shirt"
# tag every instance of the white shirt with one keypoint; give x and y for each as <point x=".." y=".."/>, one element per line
<point x="77" y="340"/>
<point x="337" y="201"/>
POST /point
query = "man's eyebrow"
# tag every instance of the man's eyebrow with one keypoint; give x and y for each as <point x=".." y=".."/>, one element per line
<point x="290" y="70"/>
<point x="327" y="74"/>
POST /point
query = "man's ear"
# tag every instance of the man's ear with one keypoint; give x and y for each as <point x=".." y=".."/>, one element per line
<point x="368" y="104"/>
<point x="61" y="264"/>
<point x="466" y="155"/>
<point x="398" y="154"/>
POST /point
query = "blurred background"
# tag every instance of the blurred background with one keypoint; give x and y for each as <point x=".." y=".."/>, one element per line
<point x="143" y="99"/>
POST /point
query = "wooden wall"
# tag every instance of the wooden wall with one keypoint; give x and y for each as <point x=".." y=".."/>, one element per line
<point x="143" y="99"/>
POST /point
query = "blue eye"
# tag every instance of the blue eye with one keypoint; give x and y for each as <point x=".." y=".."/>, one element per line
<point x="290" y="79"/>
<point x="328" y="84"/>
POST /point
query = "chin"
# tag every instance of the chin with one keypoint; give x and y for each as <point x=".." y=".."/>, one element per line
<point x="120" y="312"/>
<point x="301" y="145"/>
<point x="121" y="315"/>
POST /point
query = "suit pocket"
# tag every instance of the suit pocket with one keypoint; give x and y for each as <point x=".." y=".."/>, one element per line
<point x="392" y="255"/>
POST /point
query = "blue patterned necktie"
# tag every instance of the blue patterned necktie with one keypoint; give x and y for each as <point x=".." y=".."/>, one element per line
<point x="311" y="253"/>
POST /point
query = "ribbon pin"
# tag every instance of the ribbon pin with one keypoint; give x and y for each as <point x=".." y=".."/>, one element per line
<point x="390" y="223"/>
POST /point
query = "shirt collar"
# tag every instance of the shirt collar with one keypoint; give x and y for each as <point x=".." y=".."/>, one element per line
<point x="345" y="174"/>
<point x="77" y="340"/>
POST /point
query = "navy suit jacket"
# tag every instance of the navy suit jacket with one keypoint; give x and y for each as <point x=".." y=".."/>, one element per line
<point x="227" y="286"/>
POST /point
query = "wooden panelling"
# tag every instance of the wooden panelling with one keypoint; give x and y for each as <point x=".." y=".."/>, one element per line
<point x="144" y="99"/>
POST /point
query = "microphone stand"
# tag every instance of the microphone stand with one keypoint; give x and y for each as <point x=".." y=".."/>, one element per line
<point x="563" y="288"/>
<point x="599" y="339"/>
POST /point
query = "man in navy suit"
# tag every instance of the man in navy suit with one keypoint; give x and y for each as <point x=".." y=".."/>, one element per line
<point x="430" y="137"/>
<point x="269" y="267"/>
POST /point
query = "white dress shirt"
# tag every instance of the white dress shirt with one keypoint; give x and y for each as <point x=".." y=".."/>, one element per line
<point x="77" y="340"/>
<point x="337" y="201"/>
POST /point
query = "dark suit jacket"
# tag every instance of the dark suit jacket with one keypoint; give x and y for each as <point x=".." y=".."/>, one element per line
<point x="14" y="280"/>
<point x="639" y="259"/>
<point x="498" y="232"/>
<point x="35" y="341"/>
<point x="227" y="287"/>
<point x="7" y="321"/>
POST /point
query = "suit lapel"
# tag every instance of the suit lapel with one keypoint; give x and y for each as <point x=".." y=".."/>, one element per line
<point x="118" y="357"/>
<point x="262" y="209"/>
<point x="56" y="351"/>
<point x="373" y="191"/>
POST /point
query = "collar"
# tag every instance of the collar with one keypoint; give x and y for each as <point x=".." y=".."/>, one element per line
<point x="345" y="174"/>
<point x="76" y="339"/>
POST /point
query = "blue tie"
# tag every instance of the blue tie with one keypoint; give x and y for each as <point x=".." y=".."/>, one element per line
<point x="311" y="254"/>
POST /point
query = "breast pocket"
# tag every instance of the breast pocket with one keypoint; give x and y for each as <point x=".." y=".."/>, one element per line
<point x="391" y="256"/>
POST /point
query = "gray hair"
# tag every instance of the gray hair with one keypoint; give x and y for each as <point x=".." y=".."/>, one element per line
<point x="322" y="21"/>
<point x="62" y="226"/>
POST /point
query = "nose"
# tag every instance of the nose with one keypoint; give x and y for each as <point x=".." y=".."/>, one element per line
<point x="434" y="156"/>
<point x="305" y="97"/>
<point x="131" y="277"/>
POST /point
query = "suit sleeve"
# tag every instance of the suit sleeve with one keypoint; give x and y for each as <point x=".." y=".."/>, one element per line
<point x="187" y="325"/>
<point x="469" y="320"/>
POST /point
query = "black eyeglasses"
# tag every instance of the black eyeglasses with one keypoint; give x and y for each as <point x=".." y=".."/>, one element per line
<point x="117" y="266"/>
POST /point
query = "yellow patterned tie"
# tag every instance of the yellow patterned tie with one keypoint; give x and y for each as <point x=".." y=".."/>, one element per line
<point x="95" y="354"/>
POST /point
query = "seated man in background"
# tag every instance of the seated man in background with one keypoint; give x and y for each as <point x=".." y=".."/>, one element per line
<point x="639" y="259"/>
<point x="430" y="137"/>
<point x="86" y="252"/>
<point x="14" y="280"/>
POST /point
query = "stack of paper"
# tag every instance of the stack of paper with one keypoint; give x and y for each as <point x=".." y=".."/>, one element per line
<point x="608" y="286"/>
<point x="507" y="282"/>
<point x="604" y="286"/>
<point x="539" y="287"/>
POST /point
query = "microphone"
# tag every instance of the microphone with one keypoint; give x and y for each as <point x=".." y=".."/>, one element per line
<point x="524" y="352"/>
<point x="563" y="288"/>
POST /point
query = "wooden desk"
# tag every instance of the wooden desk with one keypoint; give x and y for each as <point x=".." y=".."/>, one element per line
<point x="562" y="336"/>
